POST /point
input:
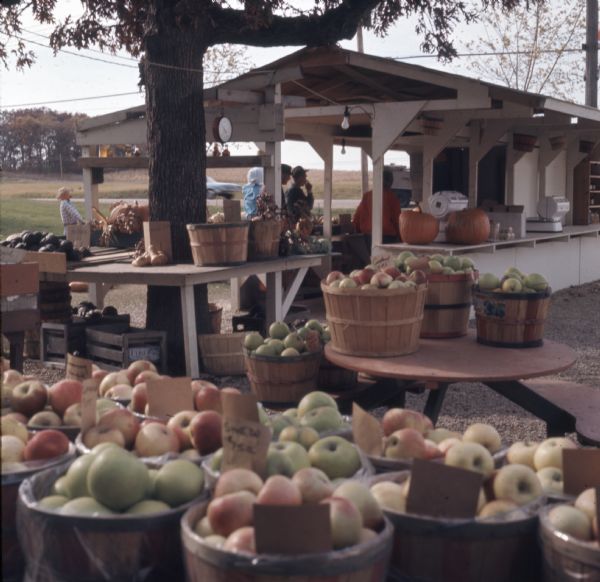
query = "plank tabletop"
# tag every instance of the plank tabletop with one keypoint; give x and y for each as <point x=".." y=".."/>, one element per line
<point x="462" y="360"/>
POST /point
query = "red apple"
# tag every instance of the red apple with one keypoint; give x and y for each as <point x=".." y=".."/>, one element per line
<point x="139" y="397"/>
<point x="46" y="444"/>
<point x="145" y="376"/>
<point x="103" y="434"/>
<point x="231" y="511"/>
<point x="406" y="443"/>
<point x="396" y="418"/>
<point x="241" y="540"/>
<point x="207" y="397"/>
<point x="279" y="490"/>
<point x="333" y="276"/>
<point x="365" y="275"/>
<point x="137" y="367"/>
<point x="123" y="420"/>
<point x="154" y="440"/>
<point x="180" y="423"/>
<point x="64" y="393"/>
<point x="236" y="480"/>
<point x="112" y="379"/>
<point x="29" y="397"/>
<point x="381" y="280"/>
<point x="346" y="522"/>
<point x="418" y="276"/>
<point x="205" y="430"/>
<point x="392" y="272"/>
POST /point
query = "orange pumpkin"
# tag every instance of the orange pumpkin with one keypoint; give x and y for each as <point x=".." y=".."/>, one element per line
<point x="468" y="227"/>
<point x="418" y="228"/>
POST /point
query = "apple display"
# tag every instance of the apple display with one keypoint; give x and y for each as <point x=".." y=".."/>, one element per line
<point x="205" y="431"/>
<point x="517" y="483"/>
<point x="123" y="420"/>
<point x="571" y="521"/>
<point x="335" y="456"/>
<point x="549" y="452"/>
<point x="29" y="397"/>
<point x="45" y="419"/>
<point x="360" y="495"/>
<point x="313" y="484"/>
<point x="390" y="496"/>
<point x="432" y="451"/>
<point x="178" y="482"/>
<point x="231" y="511"/>
<point x="381" y="280"/>
<point x="484" y="434"/>
<point x="551" y="480"/>
<point x="522" y="453"/>
<point x="236" y="480"/>
<point x="13" y="449"/>
<point x="10" y="426"/>
<point x="313" y="400"/>
<point x="155" y="439"/>
<point x="241" y="540"/>
<point x="46" y="444"/>
<point x="279" y="490"/>
<point x="488" y="282"/>
<point x="322" y="419"/>
<point x="346" y="522"/>
<point x="406" y="443"/>
<point x="497" y="507"/>
<point x="470" y="456"/>
<point x="586" y="501"/>
<point x="347" y="283"/>
<point x="397" y="418"/>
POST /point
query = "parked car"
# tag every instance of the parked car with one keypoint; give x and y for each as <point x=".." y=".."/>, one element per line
<point x="223" y="189"/>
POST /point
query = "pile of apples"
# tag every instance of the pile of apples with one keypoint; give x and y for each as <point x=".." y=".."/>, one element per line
<point x="579" y="520"/>
<point x="285" y="343"/>
<point x="112" y="481"/>
<point x="228" y="524"/>
<point x="121" y="385"/>
<point x="371" y="278"/>
<point x="408" y="262"/>
<point x="19" y="446"/>
<point x="513" y="281"/>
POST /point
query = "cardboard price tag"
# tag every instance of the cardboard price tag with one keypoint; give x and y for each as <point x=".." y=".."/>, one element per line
<point x="239" y="406"/>
<point x="232" y="210"/>
<point x="367" y="431"/>
<point x="441" y="491"/>
<point x="88" y="404"/>
<point x="78" y="368"/>
<point x="382" y="261"/>
<point x="168" y="396"/>
<point x="311" y="531"/>
<point x="581" y="470"/>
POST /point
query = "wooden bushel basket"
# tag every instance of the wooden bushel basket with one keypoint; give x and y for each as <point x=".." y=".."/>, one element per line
<point x="376" y="323"/>
<point x="366" y="562"/>
<point x="277" y="380"/>
<point x="219" y="244"/>
<point x="216" y="317"/>
<point x="447" y="305"/>
<point x="263" y="239"/>
<point x="511" y="320"/>
<point x="85" y="549"/>
<point x="566" y="559"/>
<point x="13" y="560"/>
<point x="428" y="549"/>
<point x="223" y="354"/>
<point x="333" y="378"/>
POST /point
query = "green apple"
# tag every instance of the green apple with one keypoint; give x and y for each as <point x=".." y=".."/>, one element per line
<point x="306" y="436"/>
<point x="314" y="324"/>
<point x="438" y="258"/>
<point x="536" y="282"/>
<point x="514" y="273"/>
<point x="253" y="340"/>
<point x="277" y="345"/>
<point x="447" y="271"/>
<point x="60" y="487"/>
<point x="348" y="283"/>
<point x="266" y="350"/>
<point x="401" y="258"/>
<point x="488" y="281"/>
<point x="435" y="266"/>
<point x="293" y="340"/>
<point x="178" y="482"/>
<point x="290" y="353"/>
<point x="315" y="399"/>
<point x="335" y="456"/>
<point x="322" y="419"/>
<point x="263" y="417"/>
<point x="147" y="506"/>
<point x="466" y="263"/>
<point x="85" y="506"/>
<point x="286" y="458"/>
<point x="512" y="285"/>
<point x="217" y="458"/>
<point x="117" y="478"/>
<point x="76" y="476"/>
<point x="279" y="330"/>
<point x="279" y="422"/>
<point x="453" y="262"/>
<point x="52" y="502"/>
<point x="292" y="412"/>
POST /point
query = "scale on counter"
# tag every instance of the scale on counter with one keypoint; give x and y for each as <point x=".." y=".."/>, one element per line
<point x="551" y="211"/>
<point x="443" y="203"/>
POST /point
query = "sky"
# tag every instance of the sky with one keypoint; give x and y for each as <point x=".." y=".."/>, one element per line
<point x="53" y="79"/>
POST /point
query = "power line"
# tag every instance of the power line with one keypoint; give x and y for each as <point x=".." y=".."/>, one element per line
<point x="492" y="54"/>
<point x="69" y="100"/>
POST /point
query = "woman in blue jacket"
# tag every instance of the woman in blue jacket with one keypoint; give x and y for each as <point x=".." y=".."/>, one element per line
<point x="251" y="190"/>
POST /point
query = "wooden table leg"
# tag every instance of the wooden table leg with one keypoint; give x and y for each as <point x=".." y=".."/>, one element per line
<point x="558" y="422"/>
<point x="16" y="340"/>
<point x="383" y="392"/>
<point x="190" y="340"/>
<point x="274" y="298"/>
<point x="433" y="406"/>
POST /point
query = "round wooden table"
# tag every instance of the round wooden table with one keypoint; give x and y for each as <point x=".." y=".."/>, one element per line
<point x="442" y="362"/>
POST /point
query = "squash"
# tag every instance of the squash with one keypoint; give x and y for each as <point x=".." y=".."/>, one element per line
<point x="418" y="228"/>
<point x="468" y="227"/>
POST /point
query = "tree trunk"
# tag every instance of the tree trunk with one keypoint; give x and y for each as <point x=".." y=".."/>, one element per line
<point x="177" y="188"/>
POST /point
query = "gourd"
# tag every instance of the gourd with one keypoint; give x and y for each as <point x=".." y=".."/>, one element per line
<point x="418" y="228"/>
<point x="157" y="257"/>
<point x="468" y="227"/>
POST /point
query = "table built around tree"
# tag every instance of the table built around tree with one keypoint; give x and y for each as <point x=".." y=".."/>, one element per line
<point x="441" y="362"/>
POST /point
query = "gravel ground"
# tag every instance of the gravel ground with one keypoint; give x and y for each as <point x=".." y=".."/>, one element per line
<point x="574" y="320"/>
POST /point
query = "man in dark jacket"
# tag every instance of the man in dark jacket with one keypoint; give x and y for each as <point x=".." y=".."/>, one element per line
<point x="299" y="203"/>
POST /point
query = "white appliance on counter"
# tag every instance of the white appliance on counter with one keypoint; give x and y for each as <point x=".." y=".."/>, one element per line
<point x="551" y="212"/>
<point x="443" y="203"/>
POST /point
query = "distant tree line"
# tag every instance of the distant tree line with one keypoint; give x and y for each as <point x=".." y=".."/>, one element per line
<point x="39" y="141"/>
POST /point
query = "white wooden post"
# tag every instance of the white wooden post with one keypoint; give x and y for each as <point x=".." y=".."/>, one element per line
<point x="377" y="201"/>
<point x="574" y="156"/>
<point x="546" y="156"/>
<point x="90" y="191"/>
<point x="512" y="158"/>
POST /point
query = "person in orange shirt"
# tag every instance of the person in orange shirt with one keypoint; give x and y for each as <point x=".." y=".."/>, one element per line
<point x="391" y="211"/>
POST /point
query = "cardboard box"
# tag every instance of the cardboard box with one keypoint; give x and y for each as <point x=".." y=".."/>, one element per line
<point x="508" y="216"/>
<point x="158" y="233"/>
<point x="19" y="279"/>
<point x="48" y="262"/>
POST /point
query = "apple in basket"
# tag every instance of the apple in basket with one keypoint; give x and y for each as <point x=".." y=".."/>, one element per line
<point x="145" y="376"/>
<point x="103" y="434"/>
<point x="334" y="276"/>
<point x="206" y="431"/>
<point x="64" y="393"/>
<point x="46" y="444"/>
<point x="549" y="452"/>
<point x="484" y="434"/>
<point x="335" y="456"/>
<point x="29" y="397"/>
<point x="12" y="449"/>
<point x="346" y="522"/>
<point x="135" y="368"/>
<point x="155" y="439"/>
<point x="406" y="443"/>
<point x="12" y="427"/>
<point x="230" y="512"/>
<point x="279" y="490"/>
<point x="470" y="456"/>
<point x="522" y="453"/>
<point x="111" y="380"/>
<point x="46" y="419"/>
<point x="397" y="418"/>
<point x="571" y="521"/>
<point x="206" y="396"/>
<point x="123" y="420"/>
<point x="180" y="424"/>
<point x="516" y="483"/>
<point x="236" y="480"/>
<point x="360" y="495"/>
<point x="314" y="485"/>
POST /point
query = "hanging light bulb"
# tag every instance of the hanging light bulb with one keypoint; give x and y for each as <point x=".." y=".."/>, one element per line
<point x="343" y="146"/>
<point x="346" y="120"/>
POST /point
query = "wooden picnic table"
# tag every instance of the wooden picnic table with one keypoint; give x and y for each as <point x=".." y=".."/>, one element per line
<point x="441" y="362"/>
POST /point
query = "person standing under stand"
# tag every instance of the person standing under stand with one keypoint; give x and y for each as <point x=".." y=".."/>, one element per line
<point x="286" y="174"/>
<point x="68" y="213"/>
<point x="299" y="203"/>
<point x="251" y="191"/>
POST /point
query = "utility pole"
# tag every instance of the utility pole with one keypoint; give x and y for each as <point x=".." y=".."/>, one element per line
<point x="364" y="165"/>
<point x="591" y="54"/>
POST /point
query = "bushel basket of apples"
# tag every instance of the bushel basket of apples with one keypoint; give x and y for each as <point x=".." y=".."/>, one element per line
<point x="375" y="313"/>
<point x="570" y="540"/>
<point x="283" y="367"/>
<point x="220" y="542"/>
<point x="107" y="516"/>
<point x="511" y="311"/>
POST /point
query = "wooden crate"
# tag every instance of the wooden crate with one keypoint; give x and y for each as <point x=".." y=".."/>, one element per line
<point x="112" y="348"/>
<point x="18" y="279"/>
